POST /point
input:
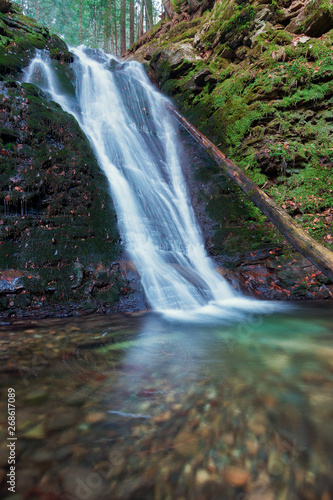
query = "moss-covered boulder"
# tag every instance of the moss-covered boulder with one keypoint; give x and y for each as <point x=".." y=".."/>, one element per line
<point x="20" y="36"/>
<point x="57" y="222"/>
<point x="58" y="230"/>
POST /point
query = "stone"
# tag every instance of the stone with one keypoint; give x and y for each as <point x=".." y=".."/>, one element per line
<point x="186" y="444"/>
<point x="236" y="476"/>
<point x="228" y="54"/>
<point x="37" y="432"/>
<point x="201" y="477"/>
<point x="11" y="281"/>
<point x="81" y="482"/>
<point x="311" y="21"/>
<point x="252" y="446"/>
<point x="228" y="438"/>
<point x="36" y="397"/>
<point x="42" y="456"/>
<point x="93" y="418"/>
<point x="5" y="6"/>
<point x="61" y="420"/>
<point x="162" y="417"/>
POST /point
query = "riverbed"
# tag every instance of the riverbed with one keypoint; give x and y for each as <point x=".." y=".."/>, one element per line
<point x="144" y="407"/>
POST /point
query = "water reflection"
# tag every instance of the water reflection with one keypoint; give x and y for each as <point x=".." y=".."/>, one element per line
<point x="145" y="408"/>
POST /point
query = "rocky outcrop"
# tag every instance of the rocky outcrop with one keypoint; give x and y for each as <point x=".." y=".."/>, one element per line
<point x="256" y="79"/>
<point x="59" y="243"/>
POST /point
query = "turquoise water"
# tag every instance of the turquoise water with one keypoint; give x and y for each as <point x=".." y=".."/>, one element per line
<point x="139" y="407"/>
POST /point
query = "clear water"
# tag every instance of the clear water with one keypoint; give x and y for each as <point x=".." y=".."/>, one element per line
<point x="145" y="408"/>
<point x="136" y="143"/>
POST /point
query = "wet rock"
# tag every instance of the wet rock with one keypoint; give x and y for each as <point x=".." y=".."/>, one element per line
<point x="42" y="456"/>
<point x="162" y="417"/>
<point x="186" y="444"/>
<point x="36" y="397"/>
<point x="5" y="6"/>
<point x="93" y="418"/>
<point x="61" y="453"/>
<point x="201" y="477"/>
<point x="257" y="427"/>
<point x="138" y="487"/>
<point x="26" y="479"/>
<point x="61" y="420"/>
<point x="236" y="476"/>
<point x="228" y="438"/>
<point x="309" y="19"/>
<point x="80" y="482"/>
<point x="11" y="281"/>
<point x="37" y="432"/>
<point x="252" y="446"/>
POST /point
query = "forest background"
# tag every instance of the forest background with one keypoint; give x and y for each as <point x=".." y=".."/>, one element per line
<point x="113" y="25"/>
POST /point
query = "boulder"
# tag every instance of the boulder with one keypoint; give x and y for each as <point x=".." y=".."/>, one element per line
<point x="5" y="6"/>
<point x="313" y="19"/>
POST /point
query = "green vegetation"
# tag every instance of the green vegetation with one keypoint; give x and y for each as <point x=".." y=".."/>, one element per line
<point x="270" y="106"/>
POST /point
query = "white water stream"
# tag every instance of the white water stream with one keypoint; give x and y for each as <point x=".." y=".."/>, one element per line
<point x="135" y="141"/>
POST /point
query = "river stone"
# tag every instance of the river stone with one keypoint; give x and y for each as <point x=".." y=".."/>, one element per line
<point x="36" y="397"/>
<point x="201" y="477"/>
<point x="186" y="444"/>
<point x="81" y="482"/>
<point x="37" y="432"/>
<point x="61" y="420"/>
<point x="236" y="476"/>
<point x="93" y="418"/>
<point x="42" y="456"/>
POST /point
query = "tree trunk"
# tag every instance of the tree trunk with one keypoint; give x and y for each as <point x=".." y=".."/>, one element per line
<point x="115" y="33"/>
<point x="320" y="256"/>
<point x="37" y="10"/>
<point x="168" y="8"/>
<point x="131" y="20"/>
<point x="140" y="28"/>
<point x="149" y="14"/>
<point x="122" y="27"/>
<point x="80" y="15"/>
<point x="108" y="28"/>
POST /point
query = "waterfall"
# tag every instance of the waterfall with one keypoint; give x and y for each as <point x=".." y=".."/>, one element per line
<point x="135" y="141"/>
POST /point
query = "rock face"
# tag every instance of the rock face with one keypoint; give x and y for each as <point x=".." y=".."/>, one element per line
<point x="256" y="79"/>
<point x="58" y="231"/>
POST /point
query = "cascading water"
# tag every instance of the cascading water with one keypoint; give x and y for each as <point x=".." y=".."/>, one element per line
<point x="135" y="141"/>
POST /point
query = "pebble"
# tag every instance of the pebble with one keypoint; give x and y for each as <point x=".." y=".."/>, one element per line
<point x="186" y="444"/>
<point x="61" y="420"/>
<point x="93" y="418"/>
<point x="236" y="477"/>
<point x="36" y="397"/>
<point x="201" y="477"/>
<point x="42" y="456"/>
<point x="258" y="428"/>
<point x="37" y="432"/>
<point x="228" y="438"/>
<point x="252" y="446"/>
<point x="162" y="417"/>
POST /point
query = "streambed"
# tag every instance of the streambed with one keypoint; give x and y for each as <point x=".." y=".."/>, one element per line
<point x="143" y="407"/>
